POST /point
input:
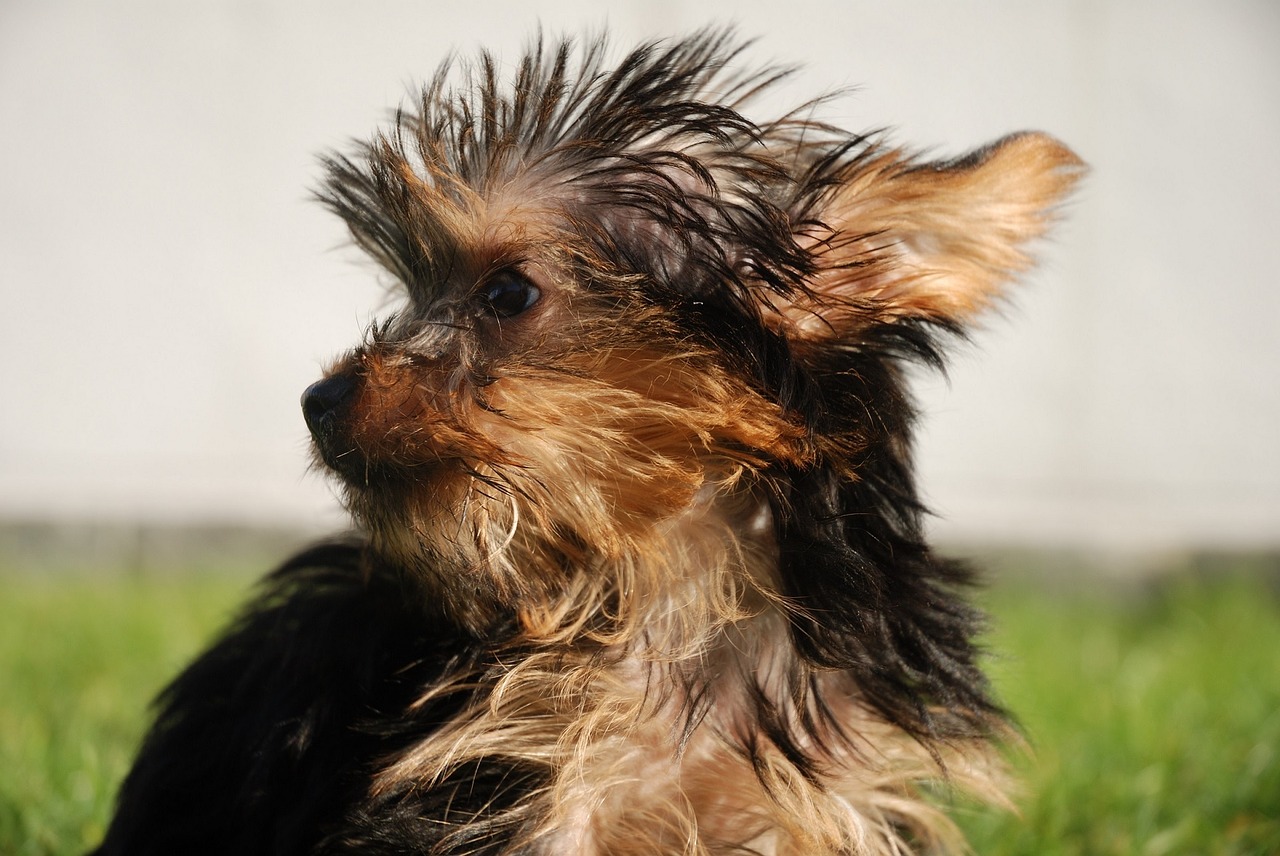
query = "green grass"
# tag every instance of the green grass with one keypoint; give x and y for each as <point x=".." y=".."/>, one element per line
<point x="1154" y="720"/>
<point x="79" y="660"/>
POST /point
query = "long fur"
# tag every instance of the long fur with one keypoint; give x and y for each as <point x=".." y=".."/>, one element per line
<point x="640" y="564"/>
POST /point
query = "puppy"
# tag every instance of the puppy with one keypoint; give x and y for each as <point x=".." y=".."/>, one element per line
<point x="639" y="564"/>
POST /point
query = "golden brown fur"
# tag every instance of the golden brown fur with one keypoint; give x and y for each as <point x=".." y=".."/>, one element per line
<point x="671" y="494"/>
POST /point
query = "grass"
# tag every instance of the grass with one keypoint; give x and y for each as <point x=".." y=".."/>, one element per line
<point x="79" y="658"/>
<point x="1154" y="720"/>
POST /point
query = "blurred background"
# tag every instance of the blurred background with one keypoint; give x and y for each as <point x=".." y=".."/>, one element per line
<point x="169" y="288"/>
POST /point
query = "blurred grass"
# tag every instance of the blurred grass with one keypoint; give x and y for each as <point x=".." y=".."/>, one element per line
<point x="1153" y="718"/>
<point x="80" y="658"/>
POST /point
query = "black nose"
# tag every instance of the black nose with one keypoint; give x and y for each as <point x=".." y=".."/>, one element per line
<point x="325" y="403"/>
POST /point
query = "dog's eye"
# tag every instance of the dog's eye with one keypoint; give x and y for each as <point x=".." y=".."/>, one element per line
<point x="508" y="294"/>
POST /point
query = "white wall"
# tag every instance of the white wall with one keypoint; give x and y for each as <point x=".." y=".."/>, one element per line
<point x="167" y="289"/>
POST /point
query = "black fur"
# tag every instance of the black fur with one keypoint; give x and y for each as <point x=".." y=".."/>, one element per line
<point x="268" y="743"/>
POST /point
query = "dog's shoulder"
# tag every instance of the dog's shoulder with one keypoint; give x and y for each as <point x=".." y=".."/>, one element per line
<point x="253" y="745"/>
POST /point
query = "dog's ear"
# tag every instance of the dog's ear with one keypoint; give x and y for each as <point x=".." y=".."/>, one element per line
<point x="900" y="247"/>
<point x="931" y="241"/>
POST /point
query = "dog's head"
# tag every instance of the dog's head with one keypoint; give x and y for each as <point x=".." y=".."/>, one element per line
<point x="631" y="313"/>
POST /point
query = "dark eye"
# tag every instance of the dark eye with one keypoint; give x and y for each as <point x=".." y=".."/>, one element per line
<point x="508" y="294"/>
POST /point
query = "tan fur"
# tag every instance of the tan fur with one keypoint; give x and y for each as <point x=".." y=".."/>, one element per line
<point x="612" y="488"/>
<point x="655" y="459"/>
<point x="604" y="720"/>
<point x="937" y="241"/>
<point x="685" y="582"/>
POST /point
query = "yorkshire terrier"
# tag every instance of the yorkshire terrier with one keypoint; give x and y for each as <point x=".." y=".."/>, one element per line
<point x="639" y="564"/>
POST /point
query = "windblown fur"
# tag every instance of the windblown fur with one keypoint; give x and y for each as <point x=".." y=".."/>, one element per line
<point x="639" y="564"/>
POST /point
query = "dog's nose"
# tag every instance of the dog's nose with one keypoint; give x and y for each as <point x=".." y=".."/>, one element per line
<point x="326" y="401"/>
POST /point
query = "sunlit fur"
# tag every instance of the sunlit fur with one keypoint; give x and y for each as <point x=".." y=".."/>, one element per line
<point x="661" y="524"/>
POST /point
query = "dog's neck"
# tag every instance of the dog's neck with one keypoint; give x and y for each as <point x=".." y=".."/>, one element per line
<point x="694" y="712"/>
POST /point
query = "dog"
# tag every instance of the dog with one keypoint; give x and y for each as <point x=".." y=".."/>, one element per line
<point x="639" y="564"/>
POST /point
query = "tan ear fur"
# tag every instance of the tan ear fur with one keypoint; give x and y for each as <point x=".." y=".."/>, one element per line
<point x="938" y="240"/>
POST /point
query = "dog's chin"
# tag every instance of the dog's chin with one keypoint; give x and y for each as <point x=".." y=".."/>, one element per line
<point x="353" y="470"/>
<point x="347" y="467"/>
<point x="420" y="508"/>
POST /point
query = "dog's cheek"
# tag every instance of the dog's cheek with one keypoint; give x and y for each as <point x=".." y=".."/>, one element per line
<point x="595" y="461"/>
<point x="638" y="434"/>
